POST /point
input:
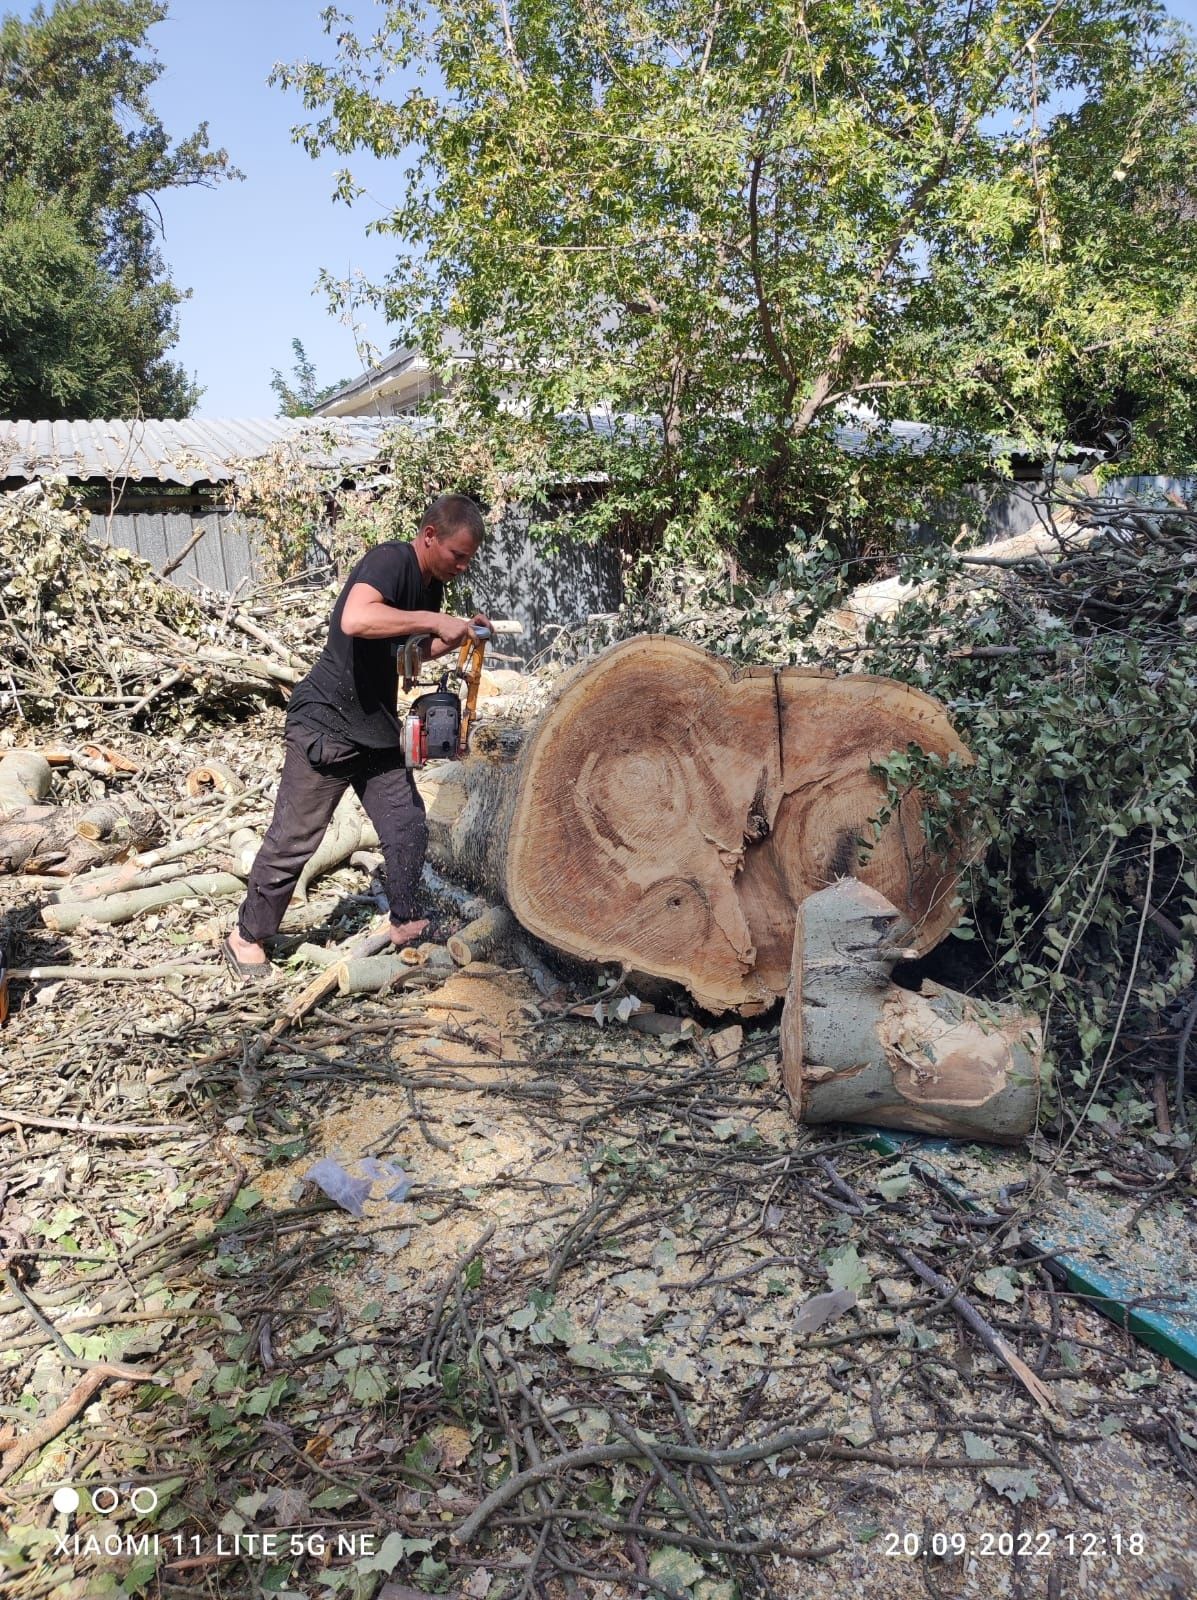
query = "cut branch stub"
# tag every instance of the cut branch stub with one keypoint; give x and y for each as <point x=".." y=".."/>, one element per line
<point x="671" y="813"/>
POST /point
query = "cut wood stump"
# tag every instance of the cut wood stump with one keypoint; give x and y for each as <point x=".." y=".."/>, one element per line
<point x="479" y="937"/>
<point x="857" y="1048"/>
<point x="669" y="813"/>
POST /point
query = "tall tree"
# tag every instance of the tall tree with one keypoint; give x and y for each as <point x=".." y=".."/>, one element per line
<point x="87" y="306"/>
<point x="741" y="217"/>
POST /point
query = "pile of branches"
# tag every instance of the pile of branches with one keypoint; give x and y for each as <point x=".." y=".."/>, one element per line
<point x="1127" y="569"/>
<point x="94" y="634"/>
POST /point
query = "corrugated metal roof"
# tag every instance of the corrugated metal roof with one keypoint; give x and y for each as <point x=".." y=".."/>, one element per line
<point x="188" y="451"/>
<point x="196" y="450"/>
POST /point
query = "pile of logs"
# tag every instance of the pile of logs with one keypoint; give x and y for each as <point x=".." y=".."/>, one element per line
<point x="39" y="837"/>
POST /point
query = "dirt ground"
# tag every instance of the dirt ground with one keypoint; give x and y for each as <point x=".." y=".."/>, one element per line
<point x="621" y="1328"/>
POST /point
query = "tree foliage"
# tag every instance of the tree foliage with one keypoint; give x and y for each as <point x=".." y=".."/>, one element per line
<point x="87" y="307"/>
<point x="302" y="393"/>
<point x="727" y="222"/>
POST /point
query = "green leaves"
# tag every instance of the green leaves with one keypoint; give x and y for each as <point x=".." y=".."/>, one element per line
<point x="674" y="1569"/>
<point x="847" y="1271"/>
<point x="893" y="1182"/>
<point x="1015" y="1484"/>
<point x="1077" y="755"/>
<point x="87" y="309"/>
<point x="999" y="1283"/>
<point x="698" y="233"/>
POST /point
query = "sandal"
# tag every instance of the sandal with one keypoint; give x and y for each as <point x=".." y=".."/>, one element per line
<point x="245" y="971"/>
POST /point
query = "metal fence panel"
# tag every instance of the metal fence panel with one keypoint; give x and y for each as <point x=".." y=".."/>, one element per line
<point x="222" y="558"/>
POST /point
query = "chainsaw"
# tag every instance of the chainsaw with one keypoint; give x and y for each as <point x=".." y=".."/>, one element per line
<point x="437" y="725"/>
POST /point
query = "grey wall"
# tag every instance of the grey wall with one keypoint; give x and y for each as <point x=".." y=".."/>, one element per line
<point x="221" y="560"/>
<point x="1152" y="488"/>
<point x="546" y="589"/>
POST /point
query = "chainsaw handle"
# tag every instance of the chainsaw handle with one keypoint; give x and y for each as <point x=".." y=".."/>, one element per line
<point x="474" y="641"/>
<point x="412" y="661"/>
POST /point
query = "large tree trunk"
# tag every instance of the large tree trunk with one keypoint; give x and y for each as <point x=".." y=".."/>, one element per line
<point x="857" y="1048"/>
<point x="670" y="813"/>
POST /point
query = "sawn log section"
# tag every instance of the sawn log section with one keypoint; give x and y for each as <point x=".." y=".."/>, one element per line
<point x="669" y="812"/>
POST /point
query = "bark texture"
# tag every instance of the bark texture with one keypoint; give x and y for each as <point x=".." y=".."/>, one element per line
<point x="66" y="840"/>
<point x="857" y="1048"/>
<point x="37" y="836"/>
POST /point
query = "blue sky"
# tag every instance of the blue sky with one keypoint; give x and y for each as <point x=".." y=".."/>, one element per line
<point x="251" y="252"/>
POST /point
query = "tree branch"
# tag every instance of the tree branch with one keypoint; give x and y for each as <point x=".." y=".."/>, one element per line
<point x="821" y="387"/>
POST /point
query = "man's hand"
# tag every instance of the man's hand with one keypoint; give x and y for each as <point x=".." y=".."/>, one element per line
<point x="451" y="631"/>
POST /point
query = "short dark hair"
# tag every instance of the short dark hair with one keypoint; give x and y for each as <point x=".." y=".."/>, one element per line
<point x="454" y="513"/>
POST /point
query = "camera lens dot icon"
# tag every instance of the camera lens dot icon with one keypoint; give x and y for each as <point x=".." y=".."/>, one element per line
<point x="106" y="1500"/>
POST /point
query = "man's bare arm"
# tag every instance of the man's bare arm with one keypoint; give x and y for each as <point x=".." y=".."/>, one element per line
<point x="367" y="615"/>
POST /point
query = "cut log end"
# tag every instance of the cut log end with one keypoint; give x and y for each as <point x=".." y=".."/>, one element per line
<point x="213" y="777"/>
<point x="668" y="814"/>
<point x="478" y="938"/>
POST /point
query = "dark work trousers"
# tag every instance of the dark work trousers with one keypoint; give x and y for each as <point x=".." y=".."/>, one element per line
<point x="309" y="791"/>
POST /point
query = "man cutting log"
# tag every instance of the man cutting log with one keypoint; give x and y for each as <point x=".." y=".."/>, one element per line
<point x="343" y="730"/>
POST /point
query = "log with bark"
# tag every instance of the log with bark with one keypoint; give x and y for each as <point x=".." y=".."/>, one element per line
<point x="25" y="778"/>
<point x="669" y="813"/>
<point x="64" y="916"/>
<point x="37" y="836"/>
<point x="855" y="1047"/>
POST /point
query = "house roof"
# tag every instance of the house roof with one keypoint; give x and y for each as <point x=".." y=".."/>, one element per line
<point x="390" y="374"/>
<point x="186" y="451"/>
<point x="375" y="381"/>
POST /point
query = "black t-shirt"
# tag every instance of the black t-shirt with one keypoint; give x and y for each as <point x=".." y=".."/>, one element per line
<point x="350" y="692"/>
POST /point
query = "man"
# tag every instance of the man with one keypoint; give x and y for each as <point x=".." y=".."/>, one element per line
<point x="343" y="730"/>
